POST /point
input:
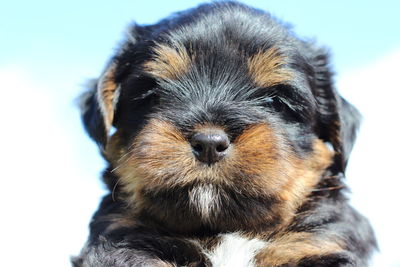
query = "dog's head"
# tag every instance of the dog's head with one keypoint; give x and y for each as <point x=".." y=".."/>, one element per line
<point x="222" y="117"/>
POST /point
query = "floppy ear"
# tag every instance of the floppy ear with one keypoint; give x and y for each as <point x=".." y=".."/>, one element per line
<point x="350" y="120"/>
<point x="338" y="120"/>
<point x="98" y="106"/>
<point x="342" y="131"/>
<point x="99" y="103"/>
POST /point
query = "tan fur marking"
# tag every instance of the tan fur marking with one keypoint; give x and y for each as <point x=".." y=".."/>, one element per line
<point x="305" y="175"/>
<point x="262" y="154"/>
<point x="106" y="92"/>
<point x="158" y="153"/>
<point x="267" y="68"/>
<point x="169" y="63"/>
<point x="293" y="247"/>
<point x="258" y="149"/>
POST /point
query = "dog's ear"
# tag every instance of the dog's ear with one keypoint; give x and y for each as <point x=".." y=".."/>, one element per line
<point x="98" y="105"/>
<point x="338" y="120"/>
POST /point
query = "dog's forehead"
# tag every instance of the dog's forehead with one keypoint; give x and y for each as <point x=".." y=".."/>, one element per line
<point x="215" y="54"/>
<point x="222" y="45"/>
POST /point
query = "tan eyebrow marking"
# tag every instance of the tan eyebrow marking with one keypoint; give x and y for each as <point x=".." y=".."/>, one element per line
<point x="267" y="68"/>
<point x="169" y="62"/>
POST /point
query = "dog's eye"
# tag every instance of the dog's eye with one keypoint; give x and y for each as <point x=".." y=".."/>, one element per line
<point x="269" y="100"/>
<point x="150" y="97"/>
<point x="283" y="107"/>
<point x="273" y="103"/>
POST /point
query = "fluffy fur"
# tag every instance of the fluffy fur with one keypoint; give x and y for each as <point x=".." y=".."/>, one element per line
<point x="275" y="196"/>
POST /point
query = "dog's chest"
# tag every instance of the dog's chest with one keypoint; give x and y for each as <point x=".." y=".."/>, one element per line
<point x="235" y="250"/>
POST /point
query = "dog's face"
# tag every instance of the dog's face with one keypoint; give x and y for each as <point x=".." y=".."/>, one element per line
<point x="223" y="126"/>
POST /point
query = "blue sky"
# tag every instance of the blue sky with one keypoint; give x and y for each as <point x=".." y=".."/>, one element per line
<point x="88" y="30"/>
<point x="48" y="49"/>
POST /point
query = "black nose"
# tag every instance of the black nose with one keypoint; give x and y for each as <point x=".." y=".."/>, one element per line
<point x="210" y="146"/>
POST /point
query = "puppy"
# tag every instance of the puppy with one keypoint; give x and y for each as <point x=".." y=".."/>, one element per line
<point x="229" y="148"/>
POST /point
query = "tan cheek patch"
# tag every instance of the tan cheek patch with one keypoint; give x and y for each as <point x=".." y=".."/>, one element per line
<point x="271" y="167"/>
<point x="169" y="62"/>
<point x="304" y="175"/>
<point x="293" y="247"/>
<point x="267" y="68"/>
<point x="258" y="152"/>
<point x="160" y="157"/>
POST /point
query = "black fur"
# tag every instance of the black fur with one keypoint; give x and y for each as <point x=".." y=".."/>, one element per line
<point x="217" y="89"/>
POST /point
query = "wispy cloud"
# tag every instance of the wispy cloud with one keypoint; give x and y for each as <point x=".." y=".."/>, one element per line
<point x="46" y="205"/>
<point x="373" y="172"/>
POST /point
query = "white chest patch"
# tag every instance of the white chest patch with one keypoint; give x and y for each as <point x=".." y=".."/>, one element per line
<point x="235" y="251"/>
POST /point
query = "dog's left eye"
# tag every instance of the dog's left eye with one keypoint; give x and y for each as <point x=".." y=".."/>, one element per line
<point x="284" y="107"/>
<point x="274" y="103"/>
<point x="269" y="100"/>
<point x="150" y="97"/>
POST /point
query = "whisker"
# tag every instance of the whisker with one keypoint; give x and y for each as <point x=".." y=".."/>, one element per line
<point x="124" y="158"/>
<point x="113" y="191"/>
<point x="328" y="188"/>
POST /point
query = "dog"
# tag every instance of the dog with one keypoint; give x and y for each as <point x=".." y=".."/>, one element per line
<point x="226" y="144"/>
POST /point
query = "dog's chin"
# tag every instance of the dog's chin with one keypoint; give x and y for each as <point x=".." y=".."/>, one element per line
<point x="205" y="207"/>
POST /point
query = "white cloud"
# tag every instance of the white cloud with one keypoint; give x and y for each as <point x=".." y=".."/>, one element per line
<point x="46" y="206"/>
<point x="373" y="173"/>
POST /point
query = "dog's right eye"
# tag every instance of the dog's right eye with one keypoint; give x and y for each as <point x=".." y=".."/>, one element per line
<point x="283" y="106"/>
<point x="274" y="103"/>
<point x="150" y="97"/>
